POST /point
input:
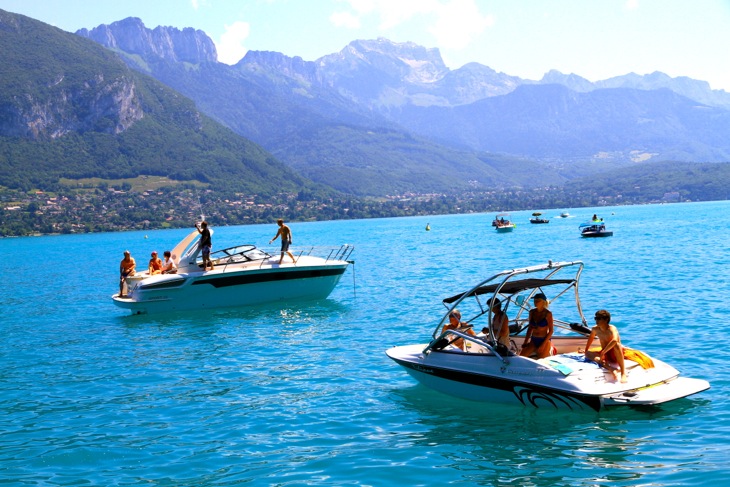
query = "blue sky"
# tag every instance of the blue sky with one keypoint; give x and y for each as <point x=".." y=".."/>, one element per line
<point x="596" y="39"/>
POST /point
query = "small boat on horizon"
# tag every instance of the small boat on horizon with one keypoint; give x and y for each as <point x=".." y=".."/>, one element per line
<point x="503" y="223"/>
<point x="594" y="229"/>
<point x="537" y="218"/>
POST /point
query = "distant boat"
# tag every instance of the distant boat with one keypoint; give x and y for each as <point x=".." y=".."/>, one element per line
<point x="564" y="214"/>
<point x="538" y="219"/>
<point x="592" y="229"/>
<point x="503" y="223"/>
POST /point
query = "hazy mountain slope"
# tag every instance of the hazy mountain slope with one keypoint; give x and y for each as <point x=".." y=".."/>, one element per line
<point x="554" y="122"/>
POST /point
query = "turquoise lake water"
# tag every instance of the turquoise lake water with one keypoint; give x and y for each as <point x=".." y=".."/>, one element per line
<point x="304" y="394"/>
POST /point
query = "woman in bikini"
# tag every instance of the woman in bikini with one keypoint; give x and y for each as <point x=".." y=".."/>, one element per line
<point x="539" y="330"/>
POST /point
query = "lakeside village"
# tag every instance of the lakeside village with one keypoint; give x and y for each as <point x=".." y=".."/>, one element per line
<point x="107" y="209"/>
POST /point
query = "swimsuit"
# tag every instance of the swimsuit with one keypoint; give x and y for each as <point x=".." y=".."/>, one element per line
<point x="285" y="244"/>
<point x="537" y="341"/>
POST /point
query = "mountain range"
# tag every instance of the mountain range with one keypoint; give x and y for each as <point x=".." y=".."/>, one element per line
<point x="380" y="117"/>
<point x="374" y="119"/>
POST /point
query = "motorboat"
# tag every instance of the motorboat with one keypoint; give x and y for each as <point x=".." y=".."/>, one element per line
<point x="503" y="223"/>
<point x="594" y="228"/>
<point x="242" y="275"/>
<point x="564" y="214"/>
<point x="537" y="218"/>
<point x="481" y="369"/>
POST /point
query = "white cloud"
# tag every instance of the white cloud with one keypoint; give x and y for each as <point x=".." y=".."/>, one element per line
<point x="453" y="23"/>
<point x="457" y="23"/>
<point x="631" y="4"/>
<point x="230" y="47"/>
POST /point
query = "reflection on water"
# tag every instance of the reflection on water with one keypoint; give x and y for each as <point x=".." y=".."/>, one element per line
<point x="527" y="446"/>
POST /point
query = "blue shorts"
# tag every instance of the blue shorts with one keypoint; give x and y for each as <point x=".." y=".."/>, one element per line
<point x="206" y="249"/>
<point x="285" y="245"/>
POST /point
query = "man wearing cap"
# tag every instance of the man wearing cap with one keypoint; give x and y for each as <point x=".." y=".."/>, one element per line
<point x="126" y="268"/>
<point x="155" y="266"/>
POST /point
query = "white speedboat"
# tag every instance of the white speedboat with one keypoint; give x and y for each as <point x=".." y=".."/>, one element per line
<point x="242" y="275"/>
<point x="481" y="370"/>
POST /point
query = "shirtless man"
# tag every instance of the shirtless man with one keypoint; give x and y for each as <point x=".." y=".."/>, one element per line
<point x="285" y="234"/>
<point x="126" y="268"/>
<point x="155" y="265"/>
<point x="612" y="351"/>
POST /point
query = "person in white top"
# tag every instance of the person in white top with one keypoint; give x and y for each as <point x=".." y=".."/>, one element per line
<point x="168" y="265"/>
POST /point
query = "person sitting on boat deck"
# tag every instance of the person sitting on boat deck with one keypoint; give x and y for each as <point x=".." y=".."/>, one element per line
<point x="539" y="330"/>
<point x="126" y="269"/>
<point x="155" y="265"/>
<point x="168" y="265"/>
<point x="612" y="352"/>
<point x="205" y="244"/>
<point x="455" y="323"/>
<point x="500" y="323"/>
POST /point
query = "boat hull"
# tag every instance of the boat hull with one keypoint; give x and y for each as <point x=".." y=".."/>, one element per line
<point x="220" y="289"/>
<point x="505" y="228"/>
<point x="541" y="384"/>
<point x="596" y="234"/>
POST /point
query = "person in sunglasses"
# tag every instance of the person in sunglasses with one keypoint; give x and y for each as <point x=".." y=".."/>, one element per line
<point x="611" y="355"/>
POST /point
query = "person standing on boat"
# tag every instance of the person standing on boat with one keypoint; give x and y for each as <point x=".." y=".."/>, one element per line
<point x="539" y="330"/>
<point x="286" y="239"/>
<point x="455" y="323"/>
<point x="205" y="244"/>
<point x="612" y="352"/>
<point x="126" y="269"/>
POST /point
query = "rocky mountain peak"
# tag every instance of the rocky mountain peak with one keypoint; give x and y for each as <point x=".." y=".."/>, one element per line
<point x="169" y="43"/>
<point x="405" y="61"/>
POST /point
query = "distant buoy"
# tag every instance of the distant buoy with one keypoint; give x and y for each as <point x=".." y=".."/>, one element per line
<point x="428" y="227"/>
<point x="145" y="236"/>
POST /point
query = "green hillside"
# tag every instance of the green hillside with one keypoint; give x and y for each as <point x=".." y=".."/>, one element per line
<point x="71" y="109"/>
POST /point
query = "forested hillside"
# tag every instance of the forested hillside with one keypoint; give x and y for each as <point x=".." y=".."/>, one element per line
<point x="71" y="108"/>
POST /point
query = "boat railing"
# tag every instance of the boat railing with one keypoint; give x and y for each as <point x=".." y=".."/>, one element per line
<point x="341" y="253"/>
